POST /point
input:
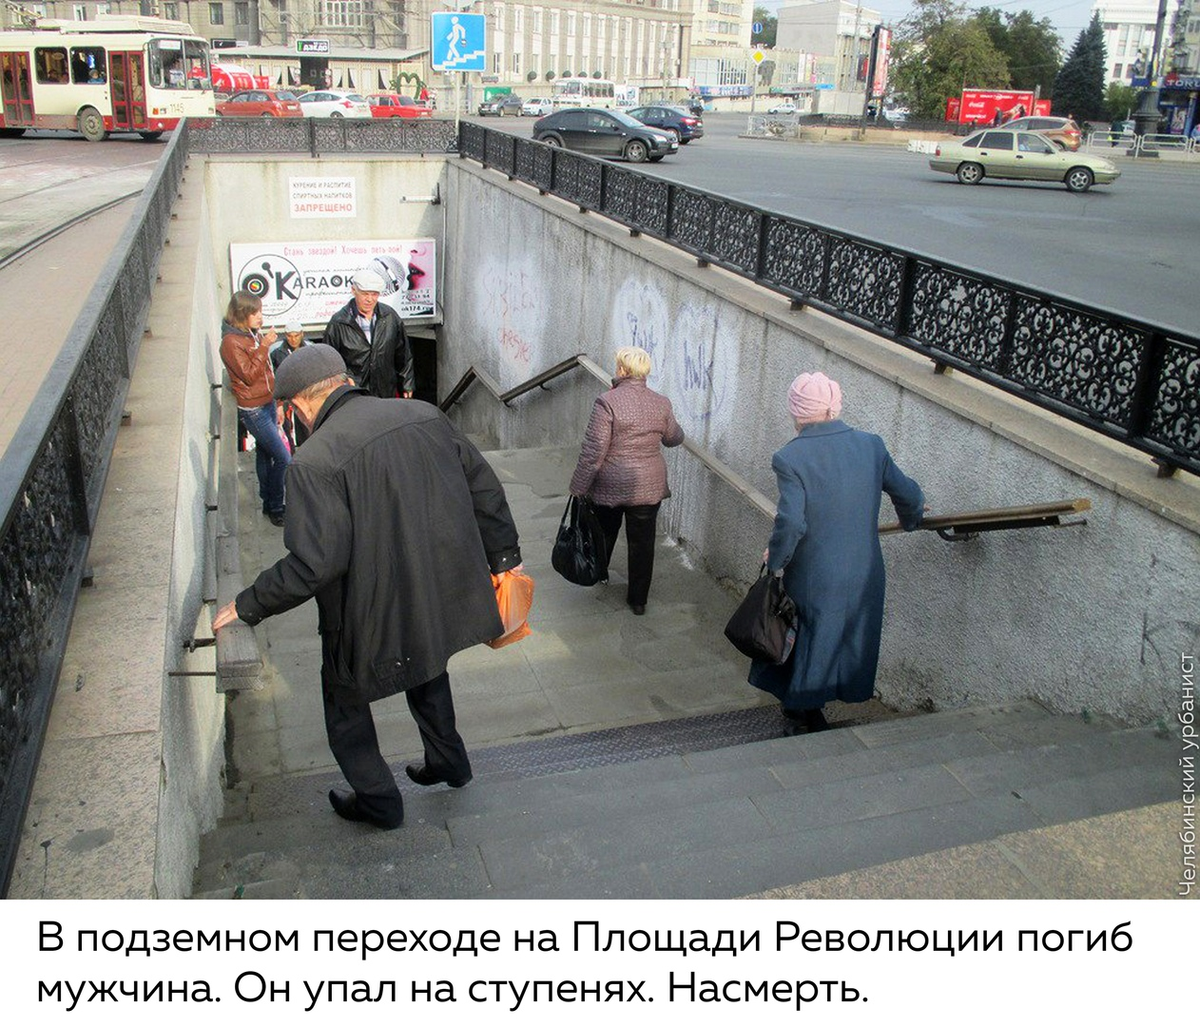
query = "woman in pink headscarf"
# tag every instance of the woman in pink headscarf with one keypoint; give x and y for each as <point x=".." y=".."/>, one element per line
<point x="826" y="545"/>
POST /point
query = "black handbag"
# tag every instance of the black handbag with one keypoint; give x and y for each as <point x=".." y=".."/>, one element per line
<point x="764" y="626"/>
<point x="580" y="554"/>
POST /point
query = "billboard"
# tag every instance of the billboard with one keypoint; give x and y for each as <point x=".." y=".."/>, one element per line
<point x="980" y="106"/>
<point x="310" y="281"/>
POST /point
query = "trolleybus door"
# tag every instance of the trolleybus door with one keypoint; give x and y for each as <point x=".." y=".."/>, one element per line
<point x="15" y="89"/>
<point x="128" y="77"/>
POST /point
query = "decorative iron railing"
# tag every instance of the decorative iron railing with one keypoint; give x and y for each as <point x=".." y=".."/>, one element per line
<point x="317" y="136"/>
<point x="51" y="477"/>
<point x="1130" y="380"/>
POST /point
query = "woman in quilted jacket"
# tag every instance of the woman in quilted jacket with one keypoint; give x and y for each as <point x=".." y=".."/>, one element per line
<point x="621" y="467"/>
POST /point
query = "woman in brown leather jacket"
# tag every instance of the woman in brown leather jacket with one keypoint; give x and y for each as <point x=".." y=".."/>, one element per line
<point x="621" y="467"/>
<point x="245" y="351"/>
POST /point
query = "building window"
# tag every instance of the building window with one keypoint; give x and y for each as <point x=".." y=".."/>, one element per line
<point x="344" y="14"/>
<point x="241" y="13"/>
<point x="101" y="8"/>
<point x="216" y="14"/>
<point x="81" y="12"/>
<point x="171" y="12"/>
<point x="516" y="64"/>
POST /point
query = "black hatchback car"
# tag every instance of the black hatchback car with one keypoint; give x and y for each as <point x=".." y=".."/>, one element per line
<point x="677" y="121"/>
<point x="604" y="134"/>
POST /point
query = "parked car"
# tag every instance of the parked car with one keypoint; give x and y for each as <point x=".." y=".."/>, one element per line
<point x="1063" y="131"/>
<point x="604" y="134"/>
<point x="510" y="103"/>
<point x="396" y="105"/>
<point x="334" y="103"/>
<point x="786" y="107"/>
<point x="537" y="108"/>
<point x="676" y="121"/>
<point x="260" y="103"/>
<point x="1024" y="156"/>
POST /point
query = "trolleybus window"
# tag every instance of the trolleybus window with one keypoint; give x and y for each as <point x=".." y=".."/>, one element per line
<point x="178" y="64"/>
<point x="51" y="64"/>
<point x="89" y="65"/>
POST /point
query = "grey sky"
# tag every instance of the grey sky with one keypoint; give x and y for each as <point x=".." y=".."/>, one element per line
<point x="1070" y="17"/>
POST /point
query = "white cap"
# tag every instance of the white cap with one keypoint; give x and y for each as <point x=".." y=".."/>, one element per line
<point x="369" y="281"/>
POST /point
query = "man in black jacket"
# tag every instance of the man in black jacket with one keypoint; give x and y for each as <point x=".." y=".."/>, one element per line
<point x="394" y="521"/>
<point x="370" y="337"/>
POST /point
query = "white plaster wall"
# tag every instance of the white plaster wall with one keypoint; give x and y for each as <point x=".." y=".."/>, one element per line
<point x="1091" y="617"/>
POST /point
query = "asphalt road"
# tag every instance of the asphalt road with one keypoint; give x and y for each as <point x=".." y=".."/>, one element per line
<point x="1129" y="247"/>
<point x="47" y="178"/>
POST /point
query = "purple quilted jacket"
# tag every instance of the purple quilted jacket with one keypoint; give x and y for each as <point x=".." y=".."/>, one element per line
<point x="621" y="463"/>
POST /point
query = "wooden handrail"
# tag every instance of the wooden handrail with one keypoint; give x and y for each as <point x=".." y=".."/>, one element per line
<point x="962" y="525"/>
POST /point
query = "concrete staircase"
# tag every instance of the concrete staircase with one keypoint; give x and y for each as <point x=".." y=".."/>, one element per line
<point x="669" y="810"/>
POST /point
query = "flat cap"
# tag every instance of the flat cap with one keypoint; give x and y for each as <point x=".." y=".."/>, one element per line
<point x="293" y="327"/>
<point x="369" y="281"/>
<point x="307" y="366"/>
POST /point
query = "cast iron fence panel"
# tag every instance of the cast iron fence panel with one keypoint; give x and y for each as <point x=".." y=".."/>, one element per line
<point x="316" y="136"/>
<point x="500" y="150"/>
<point x="51" y="478"/>
<point x="1131" y="380"/>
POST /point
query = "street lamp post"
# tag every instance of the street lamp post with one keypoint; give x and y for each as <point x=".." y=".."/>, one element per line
<point x="1147" y="117"/>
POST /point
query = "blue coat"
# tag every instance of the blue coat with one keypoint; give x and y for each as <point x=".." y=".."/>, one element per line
<point x="831" y="479"/>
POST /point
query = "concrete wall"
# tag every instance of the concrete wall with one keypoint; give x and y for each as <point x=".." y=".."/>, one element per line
<point x="392" y="196"/>
<point x="1091" y="617"/>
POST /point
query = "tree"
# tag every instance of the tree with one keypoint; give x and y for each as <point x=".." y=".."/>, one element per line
<point x="1031" y="47"/>
<point x="939" y="52"/>
<point x="770" y="25"/>
<point x="1119" y="101"/>
<point x="1079" y="87"/>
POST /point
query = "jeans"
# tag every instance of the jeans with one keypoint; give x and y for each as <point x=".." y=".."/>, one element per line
<point x="271" y="456"/>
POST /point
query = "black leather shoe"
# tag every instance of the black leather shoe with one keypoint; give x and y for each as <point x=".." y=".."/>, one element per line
<point x="639" y="609"/>
<point x="423" y="776"/>
<point x="276" y="518"/>
<point x="345" y="805"/>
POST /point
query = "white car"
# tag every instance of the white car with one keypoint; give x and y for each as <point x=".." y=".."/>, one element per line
<point x="334" y="103"/>
<point x="537" y="108"/>
<point x="787" y="107"/>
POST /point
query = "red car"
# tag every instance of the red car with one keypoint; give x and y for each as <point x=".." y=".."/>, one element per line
<point x="260" y="103"/>
<point x="393" y="105"/>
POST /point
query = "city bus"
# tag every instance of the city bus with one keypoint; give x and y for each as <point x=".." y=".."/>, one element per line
<point x="584" y="92"/>
<point x="113" y="74"/>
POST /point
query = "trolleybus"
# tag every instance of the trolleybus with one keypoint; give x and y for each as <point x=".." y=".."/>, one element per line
<point x="584" y="92"/>
<point x="113" y="74"/>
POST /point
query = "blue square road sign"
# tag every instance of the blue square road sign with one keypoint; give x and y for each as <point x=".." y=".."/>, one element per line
<point x="458" y="42"/>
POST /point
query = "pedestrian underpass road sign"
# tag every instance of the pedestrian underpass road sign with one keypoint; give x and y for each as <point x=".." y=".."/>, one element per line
<point x="458" y="42"/>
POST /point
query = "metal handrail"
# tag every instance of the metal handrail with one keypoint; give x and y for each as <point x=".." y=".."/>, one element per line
<point x="722" y="470"/>
<point x="1125" y="378"/>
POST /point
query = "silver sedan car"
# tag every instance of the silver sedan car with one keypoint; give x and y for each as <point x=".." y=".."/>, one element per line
<point x="1022" y="156"/>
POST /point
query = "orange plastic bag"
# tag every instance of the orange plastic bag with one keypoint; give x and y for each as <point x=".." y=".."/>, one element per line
<point x="514" y="597"/>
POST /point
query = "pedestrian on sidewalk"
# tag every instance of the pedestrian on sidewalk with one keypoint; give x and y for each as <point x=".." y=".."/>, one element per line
<point x="394" y="522"/>
<point x="370" y="337"/>
<point x="621" y="468"/>
<point x="245" y="352"/>
<point x="825" y="544"/>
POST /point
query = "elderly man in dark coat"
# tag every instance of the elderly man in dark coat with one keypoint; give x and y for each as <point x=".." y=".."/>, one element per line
<point x="394" y="521"/>
<point x="370" y="337"/>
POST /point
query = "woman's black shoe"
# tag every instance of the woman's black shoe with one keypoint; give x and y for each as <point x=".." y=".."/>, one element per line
<point x="276" y="518"/>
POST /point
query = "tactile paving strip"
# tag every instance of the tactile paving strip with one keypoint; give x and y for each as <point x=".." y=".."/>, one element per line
<point x="611" y="746"/>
